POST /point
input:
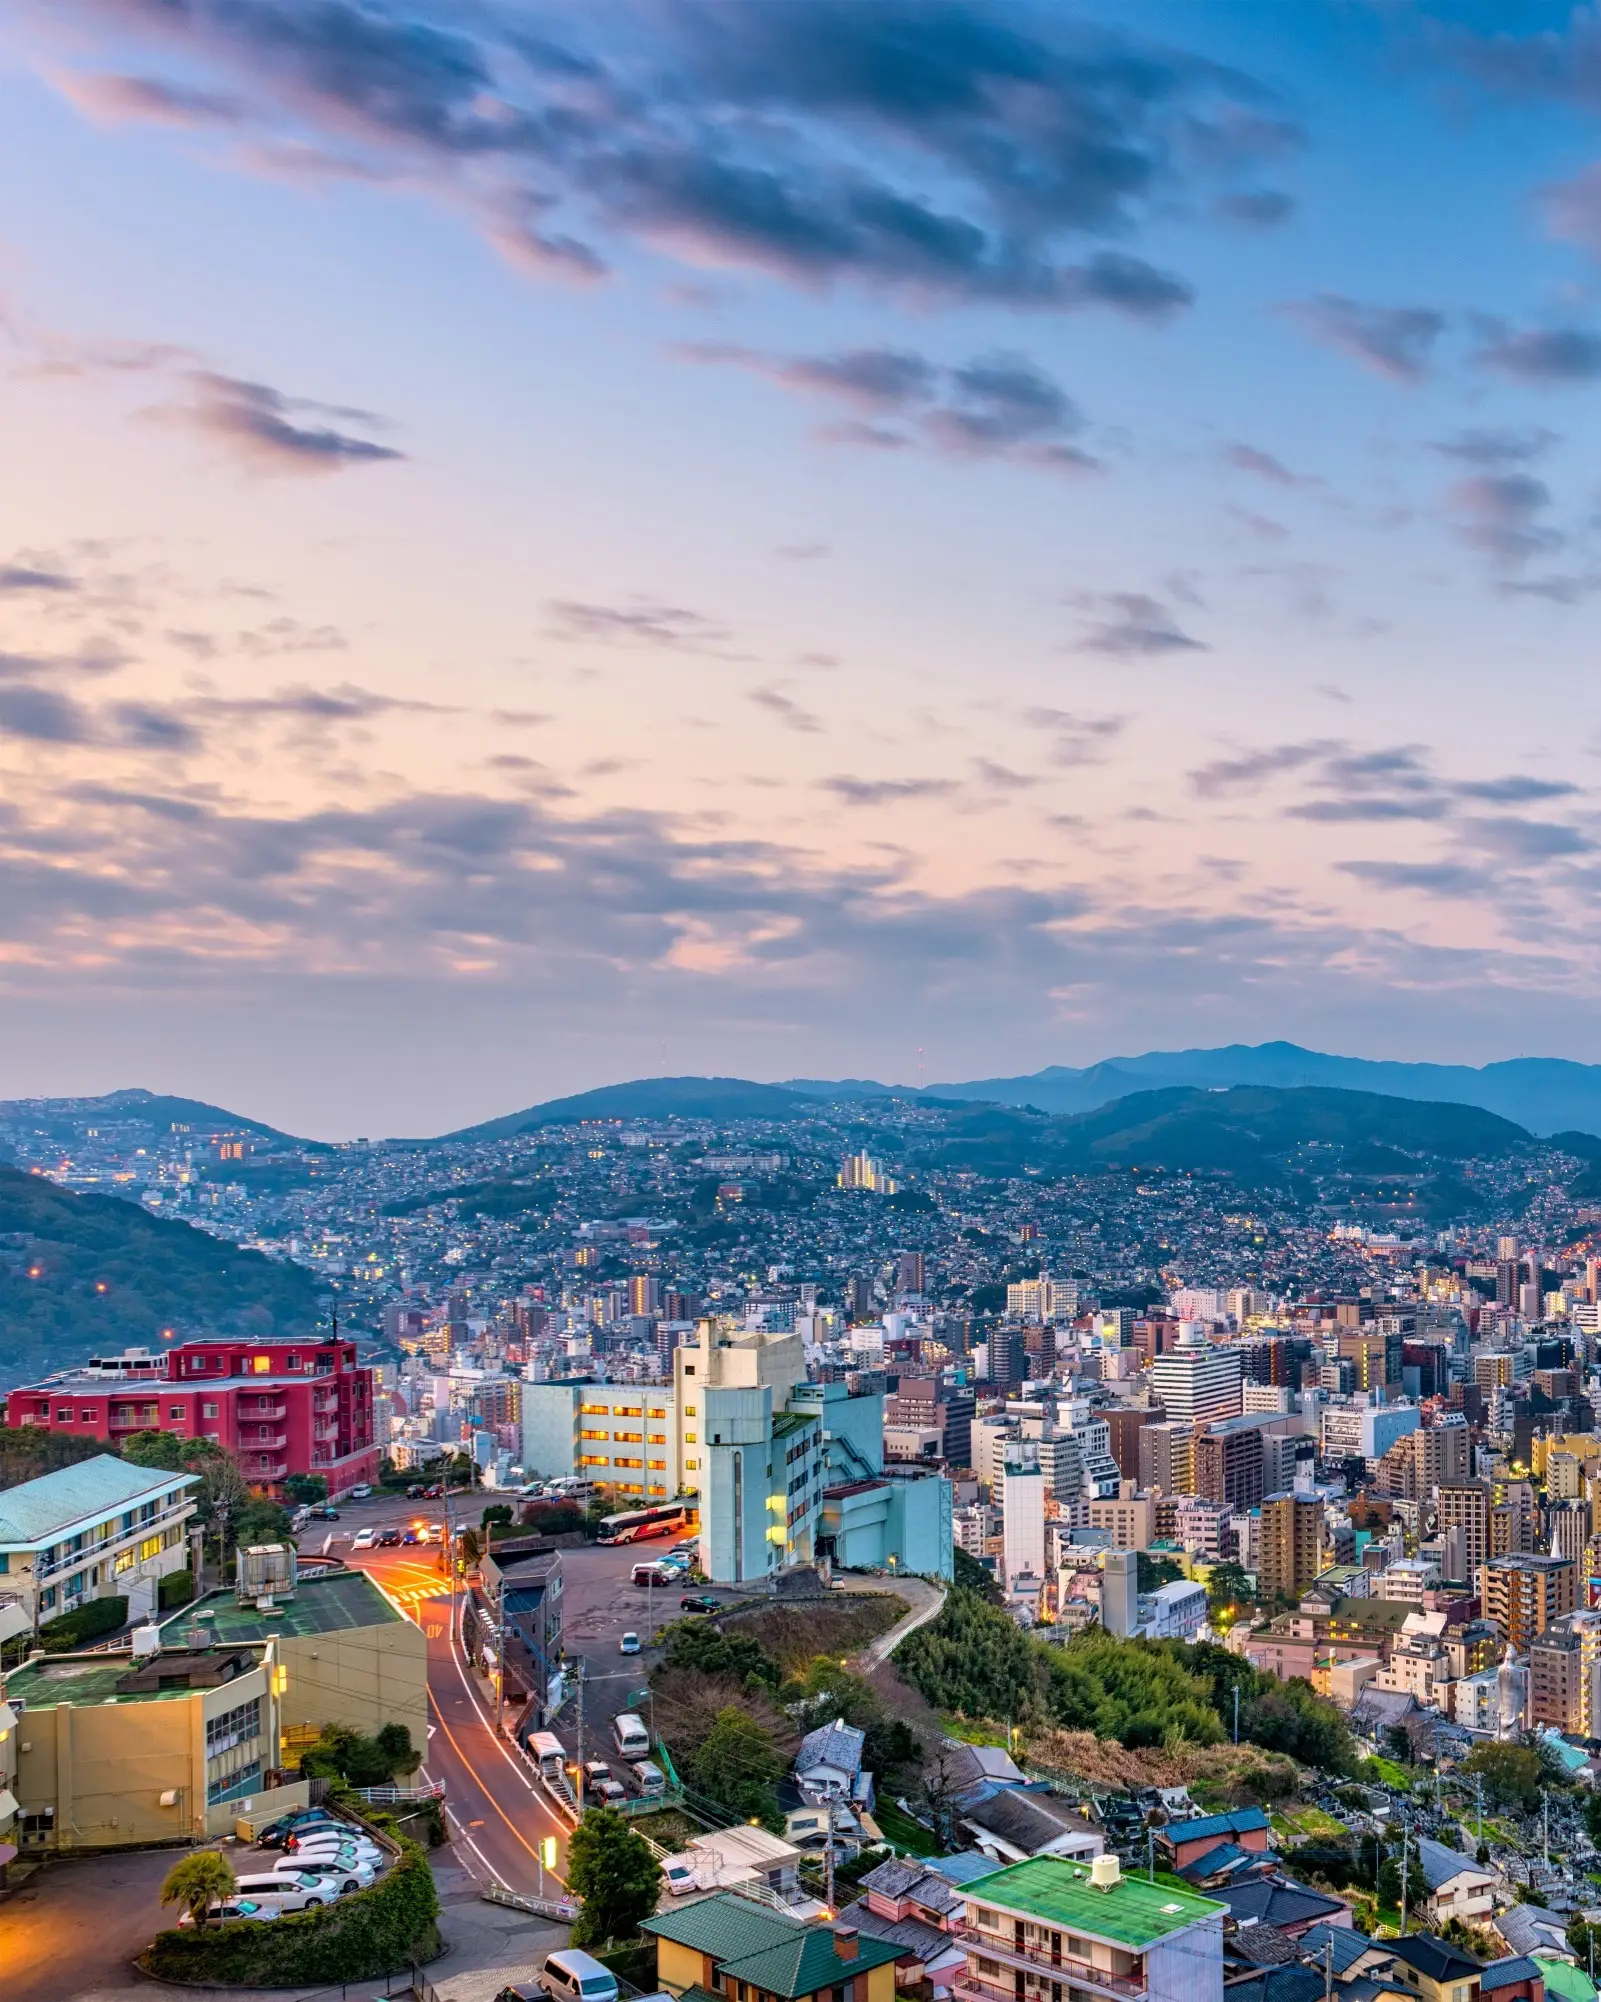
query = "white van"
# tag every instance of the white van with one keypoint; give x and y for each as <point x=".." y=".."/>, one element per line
<point x="575" y="1976"/>
<point x="629" y="1735"/>
<point x="547" y="1752"/>
<point x="649" y="1778"/>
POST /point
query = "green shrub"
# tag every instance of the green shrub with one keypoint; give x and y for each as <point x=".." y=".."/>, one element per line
<point x="88" y="1622"/>
<point x="371" y="1933"/>
<point x="176" y="1589"/>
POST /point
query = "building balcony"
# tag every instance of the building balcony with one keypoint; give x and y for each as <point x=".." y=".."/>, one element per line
<point x="259" y="1413"/>
<point x="275" y="1442"/>
<point x="1041" y="1960"/>
<point x="266" y="1470"/>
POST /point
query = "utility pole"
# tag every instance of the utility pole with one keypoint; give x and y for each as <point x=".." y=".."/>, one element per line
<point x="500" y="1662"/>
<point x="1403" y="1876"/>
<point x="580" y="1734"/>
<point x="1328" y="1968"/>
<point x="1545" y="1825"/>
<point x="1150" y="1854"/>
<point x="1478" y="1789"/>
<point x="828" y="1854"/>
<point x="1236" y="1713"/>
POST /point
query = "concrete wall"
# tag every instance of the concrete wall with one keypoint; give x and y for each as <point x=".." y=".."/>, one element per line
<point x="550" y="1426"/>
<point x="362" y="1676"/>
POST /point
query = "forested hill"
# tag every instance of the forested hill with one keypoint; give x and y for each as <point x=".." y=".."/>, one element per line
<point x="59" y="1250"/>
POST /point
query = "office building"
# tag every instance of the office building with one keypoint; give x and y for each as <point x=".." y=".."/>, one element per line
<point x="622" y="1436"/>
<point x="1197" y="1383"/>
<point x="101" y="1529"/>
<point x="1291" y="1549"/>
<point x="281" y="1407"/>
<point x="1042" y="1299"/>
<point x="1379" y="1426"/>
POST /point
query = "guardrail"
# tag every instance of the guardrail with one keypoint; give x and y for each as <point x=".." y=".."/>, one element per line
<point x="564" y="1908"/>
<point x="397" y="1796"/>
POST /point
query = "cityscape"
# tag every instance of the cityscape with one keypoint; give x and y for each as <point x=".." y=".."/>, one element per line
<point x="800" y="1099"/>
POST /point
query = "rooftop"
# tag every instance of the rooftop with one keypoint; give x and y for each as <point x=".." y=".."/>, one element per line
<point x="1131" y="1913"/>
<point x="38" y="1511"/>
<point x="332" y="1604"/>
<point x="807" y="1961"/>
<point x="723" y="1925"/>
<point x="82" y="1680"/>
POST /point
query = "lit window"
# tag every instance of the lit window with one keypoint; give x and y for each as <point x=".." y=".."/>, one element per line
<point x="691" y="1439"/>
<point x="658" y="1466"/>
<point x="261" y="1364"/>
<point x="692" y="1466"/>
<point x="654" y="1413"/>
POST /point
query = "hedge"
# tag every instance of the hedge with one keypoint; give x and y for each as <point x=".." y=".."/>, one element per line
<point x="383" y="1930"/>
<point x="88" y="1622"/>
<point x="176" y="1589"/>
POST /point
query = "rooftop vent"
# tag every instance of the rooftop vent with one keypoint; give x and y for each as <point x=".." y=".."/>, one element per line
<point x="1105" y="1873"/>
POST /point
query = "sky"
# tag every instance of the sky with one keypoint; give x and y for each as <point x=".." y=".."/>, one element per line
<point x="545" y="544"/>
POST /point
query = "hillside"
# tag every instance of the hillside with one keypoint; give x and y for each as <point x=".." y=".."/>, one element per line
<point x="650" y="1098"/>
<point x="1253" y="1133"/>
<point x="57" y="1250"/>
<point x="157" y="1113"/>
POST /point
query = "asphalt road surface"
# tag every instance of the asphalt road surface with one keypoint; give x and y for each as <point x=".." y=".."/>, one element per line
<point x="496" y="1813"/>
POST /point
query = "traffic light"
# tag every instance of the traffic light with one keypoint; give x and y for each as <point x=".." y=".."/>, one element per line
<point x="547" y="1851"/>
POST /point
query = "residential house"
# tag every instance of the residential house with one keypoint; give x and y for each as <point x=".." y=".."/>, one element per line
<point x="1050" y="1931"/>
<point x="1014" y="1823"/>
<point x="1434" y="1971"/>
<point x="1185" y="1842"/>
<point x="728" y="1948"/>
<point x="1531" y="1929"/>
<point x="1520" y="1979"/>
<point x="911" y="1904"/>
<point x="1275" y="1902"/>
<point x="1458" y="1887"/>
<point x="828" y="1765"/>
<point x="744" y="1855"/>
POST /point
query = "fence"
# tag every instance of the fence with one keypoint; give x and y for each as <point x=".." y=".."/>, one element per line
<point x="402" y="1796"/>
<point x="563" y="1908"/>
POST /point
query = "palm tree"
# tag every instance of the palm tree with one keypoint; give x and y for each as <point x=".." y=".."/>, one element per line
<point x="198" y="1881"/>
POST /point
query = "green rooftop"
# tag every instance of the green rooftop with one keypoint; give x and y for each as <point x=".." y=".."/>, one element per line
<point x="83" y="1680"/>
<point x="1131" y="1913"/>
<point x="332" y="1604"/>
<point x="808" y="1962"/>
<point x="724" y="1925"/>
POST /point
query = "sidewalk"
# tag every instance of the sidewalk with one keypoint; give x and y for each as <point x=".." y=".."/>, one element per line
<point x="923" y="1600"/>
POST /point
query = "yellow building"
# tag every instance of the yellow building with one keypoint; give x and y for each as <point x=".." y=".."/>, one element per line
<point x="729" y="1946"/>
<point x="109" y="1750"/>
<point x="350" y="1656"/>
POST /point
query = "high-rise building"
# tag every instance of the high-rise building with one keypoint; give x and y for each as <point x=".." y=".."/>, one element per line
<point x="1228" y="1462"/>
<point x="1464" y="1506"/>
<point x="1120" y="1592"/>
<point x="1197" y="1382"/>
<point x="644" y="1294"/>
<point x="1042" y="1299"/>
<point x="1167" y="1458"/>
<point x="1123" y="1425"/>
<point x="909" y="1272"/>
<point x="861" y="1171"/>
<point x="1008" y="1358"/>
<point x="1524" y="1595"/>
<point x="1291" y="1545"/>
<point x="1023" y="1523"/>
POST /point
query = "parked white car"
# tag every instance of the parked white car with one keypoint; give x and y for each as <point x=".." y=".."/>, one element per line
<point x="240" y="1908"/>
<point x="329" y="1856"/>
<point x="364" y="1539"/>
<point x="288" y="1891"/>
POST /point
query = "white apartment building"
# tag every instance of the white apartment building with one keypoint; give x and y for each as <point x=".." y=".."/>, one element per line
<point x="621" y="1436"/>
<point x="1023" y="1526"/>
<point x="100" y="1529"/>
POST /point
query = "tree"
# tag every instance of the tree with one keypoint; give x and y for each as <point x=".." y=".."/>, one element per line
<point x="259" y="1521"/>
<point x="613" y="1871"/>
<point x="736" y="1766"/>
<point x="342" y="1753"/>
<point x="698" y="1645"/>
<point x="496" y="1512"/>
<point x="1512" y="1774"/>
<point x="199" y="1881"/>
<point x="1228" y="1584"/>
<point x="1155" y="1571"/>
<point x="975" y="1577"/>
<point x="162" y="1450"/>
<point x="1389" y="1882"/>
<point x="306" y="1489"/>
<point x="1398" y="1744"/>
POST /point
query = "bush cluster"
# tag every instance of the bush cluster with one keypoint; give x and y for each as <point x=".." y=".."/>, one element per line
<point x="379" y="1931"/>
<point x="91" y="1621"/>
<point x="176" y="1589"/>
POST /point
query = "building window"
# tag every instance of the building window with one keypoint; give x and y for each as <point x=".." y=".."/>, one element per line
<point x="208" y="1410"/>
<point x="692" y="1466"/>
<point x="63" y="1414"/>
<point x="87" y="1417"/>
<point x="261" y="1364"/>
<point x="176" y="1411"/>
<point x="233" y="1727"/>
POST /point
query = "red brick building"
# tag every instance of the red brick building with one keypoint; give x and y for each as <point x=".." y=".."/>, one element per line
<point x="282" y="1407"/>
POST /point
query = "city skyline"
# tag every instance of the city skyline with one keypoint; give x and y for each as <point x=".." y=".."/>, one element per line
<point x="551" y="545"/>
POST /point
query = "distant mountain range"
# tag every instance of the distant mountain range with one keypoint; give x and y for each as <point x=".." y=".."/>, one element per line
<point x="1546" y="1095"/>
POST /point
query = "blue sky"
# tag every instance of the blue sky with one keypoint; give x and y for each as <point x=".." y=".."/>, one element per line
<point x="548" y="543"/>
